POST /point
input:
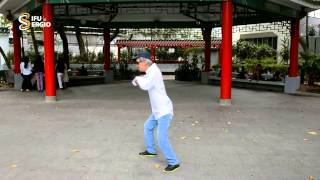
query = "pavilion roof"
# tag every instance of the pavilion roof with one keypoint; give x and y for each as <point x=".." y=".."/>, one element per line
<point x="162" y="13"/>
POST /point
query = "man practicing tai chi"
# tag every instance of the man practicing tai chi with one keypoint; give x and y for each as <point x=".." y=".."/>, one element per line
<point x="162" y="111"/>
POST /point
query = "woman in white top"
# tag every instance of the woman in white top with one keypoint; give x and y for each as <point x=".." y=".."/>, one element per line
<point x="26" y="72"/>
<point x="60" y="68"/>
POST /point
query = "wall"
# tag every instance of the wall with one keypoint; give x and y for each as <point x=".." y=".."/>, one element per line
<point x="278" y="29"/>
<point x="314" y="45"/>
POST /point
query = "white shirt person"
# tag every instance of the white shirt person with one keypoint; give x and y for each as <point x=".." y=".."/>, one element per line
<point x="162" y="111"/>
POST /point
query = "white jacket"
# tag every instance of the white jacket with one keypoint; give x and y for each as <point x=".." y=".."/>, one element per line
<point x="153" y="83"/>
<point x="26" y="71"/>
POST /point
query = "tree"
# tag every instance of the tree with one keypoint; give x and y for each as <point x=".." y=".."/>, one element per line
<point x="312" y="31"/>
<point x="245" y="50"/>
<point x="284" y="52"/>
<point x="115" y="34"/>
<point x="4" y="22"/>
<point x="265" y="50"/>
<point x="82" y="48"/>
<point x="310" y="63"/>
<point x="35" y="43"/>
<point x="63" y="36"/>
<point x="6" y="59"/>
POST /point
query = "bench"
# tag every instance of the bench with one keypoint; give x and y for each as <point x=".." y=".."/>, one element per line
<point x="277" y="86"/>
<point x="90" y="72"/>
<point x="85" y="80"/>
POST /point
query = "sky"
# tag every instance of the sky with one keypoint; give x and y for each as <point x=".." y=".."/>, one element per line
<point x="315" y="14"/>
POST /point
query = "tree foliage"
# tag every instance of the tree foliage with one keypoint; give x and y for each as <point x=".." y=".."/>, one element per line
<point x="244" y="50"/>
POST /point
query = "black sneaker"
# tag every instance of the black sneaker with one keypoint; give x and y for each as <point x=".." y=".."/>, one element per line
<point x="171" y="168"/>
<point x="147" y="154"/>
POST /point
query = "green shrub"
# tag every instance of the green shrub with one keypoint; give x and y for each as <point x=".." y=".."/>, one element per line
<point x="216" y="67"/>
<point x="311" y="67"/>
<point x="236" y="67"/>
<point x="284" y="52"/>
<point x="188" y="71"/>
<point x="244" y="50"/>
<point x="264" y="51"/>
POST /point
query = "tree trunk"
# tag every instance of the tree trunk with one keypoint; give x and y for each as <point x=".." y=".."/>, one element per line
<point x="22" y="43"/>
<point x="5" y="58"/>
<point x="114" y="35"/>
<point x="82" y="48"/>
<point x="35" y="42"/>
<point x="63" y="36"/>
<point x="307" y="33"/>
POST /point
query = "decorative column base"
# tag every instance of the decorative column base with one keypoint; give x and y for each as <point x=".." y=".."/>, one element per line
<point x="225" y="102"/>
<point x="292" y="84"/>
<point x="205" y="77"/>
<point x="108" y="76"/>
<point x="51" y="99"/>
<point x="17" y="81"/>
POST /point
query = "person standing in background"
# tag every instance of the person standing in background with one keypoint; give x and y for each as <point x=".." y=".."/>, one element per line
<point x="26" y="72"/>
<point x="65" y="78"/>
<point x="39" y="69"/>
<point x="60" y="67"/>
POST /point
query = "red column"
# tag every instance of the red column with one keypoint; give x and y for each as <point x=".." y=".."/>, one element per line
<point x="293" y="70"/>
<point x="16" y="46"/>
<point x="48" y="33"/>
<point x="153" y="53"/>
<point x="220" y="51"/>
<point x="106" y="54"/>
<point x="207" y="50"/>
<point x="226" y="53"/>
<point x="119" y="54"/>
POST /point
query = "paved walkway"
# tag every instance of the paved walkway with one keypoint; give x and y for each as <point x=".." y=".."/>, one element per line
<point x="95" y="133"/>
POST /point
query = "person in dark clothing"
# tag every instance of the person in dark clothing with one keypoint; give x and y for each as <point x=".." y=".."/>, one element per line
<point x="257" y="74"/>
<point x="39" y="69"/>
<point x="26" y="72"/>
<point x="83" y="71"/>
<point x="243" y="74"/>
<point x="277" y="76"/>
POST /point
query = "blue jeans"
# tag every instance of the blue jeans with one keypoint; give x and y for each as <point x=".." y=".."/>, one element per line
<point x="163" y="124"/>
